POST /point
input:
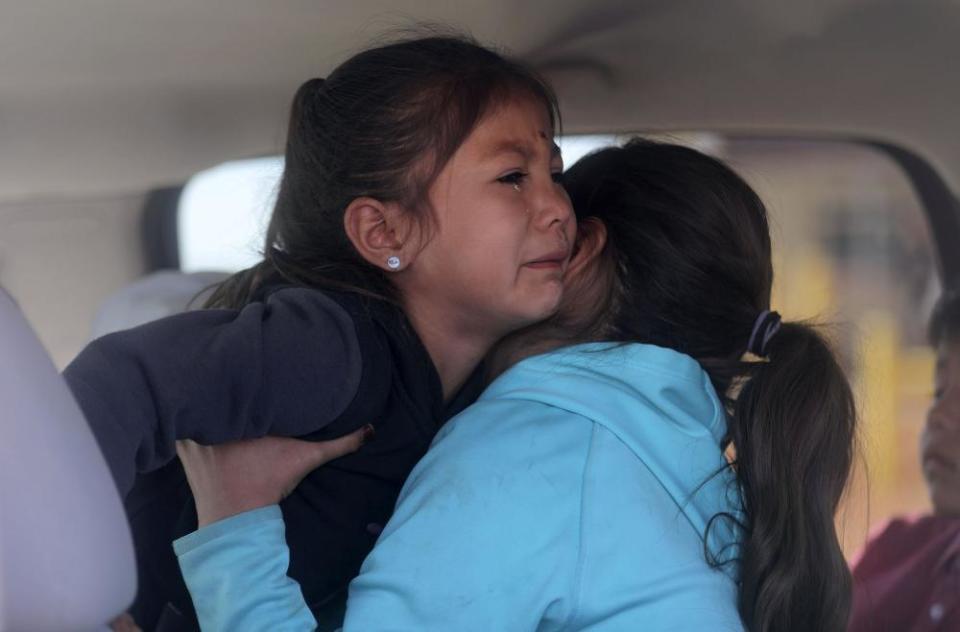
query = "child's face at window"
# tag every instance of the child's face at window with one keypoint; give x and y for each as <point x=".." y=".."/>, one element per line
<point x="940" y="442"/>
<point x="503" y="227"/>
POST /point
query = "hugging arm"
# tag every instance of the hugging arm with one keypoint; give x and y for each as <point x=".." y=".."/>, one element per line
<point x="464" y="550"/>
<point x="287" y="366"/>
<point x="236" y="570"/>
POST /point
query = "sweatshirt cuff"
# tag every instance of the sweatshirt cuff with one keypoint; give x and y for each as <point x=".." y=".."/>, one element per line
<point x="228" y="527"/>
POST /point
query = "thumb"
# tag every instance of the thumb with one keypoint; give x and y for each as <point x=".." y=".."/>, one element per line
<point x="309" y="455"/>
<point x="327" y="451"/>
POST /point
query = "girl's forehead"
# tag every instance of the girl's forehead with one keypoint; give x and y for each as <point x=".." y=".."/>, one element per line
<point x="517" y="119"/>
<point x="527" y="146"/>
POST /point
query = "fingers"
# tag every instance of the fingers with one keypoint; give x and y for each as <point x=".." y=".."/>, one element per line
<point x="347" y="444"/>
<point x="231" y="478"/>
<point x="186" y="448"/>
<point x="322" y="452"/>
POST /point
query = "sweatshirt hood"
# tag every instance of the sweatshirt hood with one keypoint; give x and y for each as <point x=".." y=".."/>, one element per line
<point x="660" y="403"/>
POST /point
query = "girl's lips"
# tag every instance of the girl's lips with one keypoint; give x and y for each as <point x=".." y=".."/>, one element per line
<point x="550" y="260"/>
<point x="546" y="264"/>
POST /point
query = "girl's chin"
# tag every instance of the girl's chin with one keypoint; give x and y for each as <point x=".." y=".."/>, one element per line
<point x="544" y="297"/>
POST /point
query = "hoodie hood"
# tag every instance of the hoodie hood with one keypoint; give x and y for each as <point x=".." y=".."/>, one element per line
<point x="658" y="402"/>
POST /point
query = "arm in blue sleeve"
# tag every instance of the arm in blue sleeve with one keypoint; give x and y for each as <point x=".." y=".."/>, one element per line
<point x="236" y="571"/>
<point x="286" y="366"/>
<point x="485" y="537"/>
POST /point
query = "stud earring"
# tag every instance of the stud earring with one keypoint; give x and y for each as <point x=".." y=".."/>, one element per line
<point x="393" y="263"/>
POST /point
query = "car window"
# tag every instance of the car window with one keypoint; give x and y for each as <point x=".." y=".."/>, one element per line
<point x="852" y="250"/>
<point x="223" y="214"/>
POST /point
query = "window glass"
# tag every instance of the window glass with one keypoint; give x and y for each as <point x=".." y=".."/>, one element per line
<point x="223" y="214"/>
<point x="852" y="250"/>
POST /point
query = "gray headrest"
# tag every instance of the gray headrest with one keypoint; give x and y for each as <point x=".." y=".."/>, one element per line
<point x="154" y="296"/>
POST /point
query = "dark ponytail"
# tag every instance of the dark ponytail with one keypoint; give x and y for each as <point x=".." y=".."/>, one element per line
<point x="689" y="255"/>
<point x="793" y="425"/>
<point x="382" y="125"/>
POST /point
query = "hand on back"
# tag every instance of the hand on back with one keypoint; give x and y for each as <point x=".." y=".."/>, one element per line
<point x="235" y="477"/>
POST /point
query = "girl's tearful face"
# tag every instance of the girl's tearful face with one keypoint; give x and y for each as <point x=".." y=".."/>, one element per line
<point x="502" y="228"/>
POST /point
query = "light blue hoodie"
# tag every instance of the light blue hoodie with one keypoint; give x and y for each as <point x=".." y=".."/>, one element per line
<point x="574" y="495"/>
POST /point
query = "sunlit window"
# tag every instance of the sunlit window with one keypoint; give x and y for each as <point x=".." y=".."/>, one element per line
<point x="224" y="212"/>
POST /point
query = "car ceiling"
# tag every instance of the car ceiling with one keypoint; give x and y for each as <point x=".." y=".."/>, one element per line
<point x="100" y="96"/>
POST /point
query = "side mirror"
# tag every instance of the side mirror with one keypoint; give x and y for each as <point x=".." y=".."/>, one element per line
<point x="66" y="554"/>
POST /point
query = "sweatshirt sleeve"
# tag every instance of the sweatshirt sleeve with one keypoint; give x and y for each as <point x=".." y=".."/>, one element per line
<point x="485" y="537"/>
<point x="287" y="366"/>
<point x="236" y="571"/>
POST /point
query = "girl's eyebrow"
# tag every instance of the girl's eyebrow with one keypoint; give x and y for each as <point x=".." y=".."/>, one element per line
<point x="510" y="147"/>
<point x="521" y="148"/>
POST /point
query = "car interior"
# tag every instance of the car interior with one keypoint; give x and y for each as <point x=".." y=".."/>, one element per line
<point x="139" y="151"/>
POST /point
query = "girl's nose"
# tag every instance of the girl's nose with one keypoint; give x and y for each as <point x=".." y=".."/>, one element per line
<point x="555" y="207"/>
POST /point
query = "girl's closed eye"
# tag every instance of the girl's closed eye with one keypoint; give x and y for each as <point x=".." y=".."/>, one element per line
<point x="514" y="178"/>
<point x="517" y="178"/>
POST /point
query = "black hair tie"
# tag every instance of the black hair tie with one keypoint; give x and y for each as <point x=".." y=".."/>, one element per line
<point x="765" y="327"/>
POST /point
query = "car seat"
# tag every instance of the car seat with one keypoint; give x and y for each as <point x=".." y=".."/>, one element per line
<point x="66" y="554"/>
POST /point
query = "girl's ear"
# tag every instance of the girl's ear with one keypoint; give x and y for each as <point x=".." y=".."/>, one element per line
<point x="384" y="233"/>
<point x="591" y="238"/>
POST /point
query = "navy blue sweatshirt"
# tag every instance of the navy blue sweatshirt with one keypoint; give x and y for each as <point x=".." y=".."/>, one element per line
<point x="297" y="362"/>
